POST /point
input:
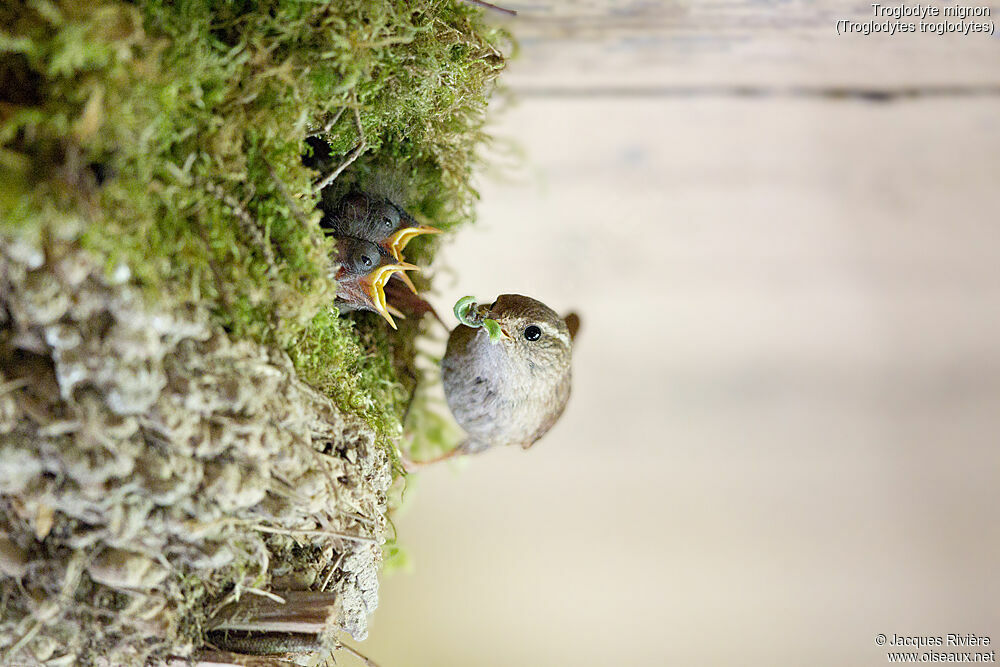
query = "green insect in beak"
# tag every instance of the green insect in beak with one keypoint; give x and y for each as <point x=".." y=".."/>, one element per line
<point x="468" y="314"/>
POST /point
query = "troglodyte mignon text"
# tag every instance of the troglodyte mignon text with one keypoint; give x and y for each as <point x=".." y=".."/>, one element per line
<point x="506" y="371"/>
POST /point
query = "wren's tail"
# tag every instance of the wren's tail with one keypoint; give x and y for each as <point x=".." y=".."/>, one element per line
<point x="573" y="324"/>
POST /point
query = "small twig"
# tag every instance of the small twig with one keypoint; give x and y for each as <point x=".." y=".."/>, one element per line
<point x="250" y="226"/>
<point x="267" y="594"/>
<point x="329" y="126"/>
<point x="220" y="283"/>
<point x="331" y="533"/>
<point x="324" y="467"/>
<point x="488" y="5"/>
<point x="225" y="602"/>
<point x="71" y="581"/>
<point x="234" y="596"/>
<point x="352" y="156"/>
<point x="357" y="516"/>
<point x="360" y="656"/>
<point x="283" y="189"/>
<point x="13" y="385"/>
<point x="22" y="642"/>
<point x="333" y="570"/>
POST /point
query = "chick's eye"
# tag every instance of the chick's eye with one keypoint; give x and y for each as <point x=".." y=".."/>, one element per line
<point x="366" y="260"/>
<point x="387" y="221"/>
<point x="532" y="333"/>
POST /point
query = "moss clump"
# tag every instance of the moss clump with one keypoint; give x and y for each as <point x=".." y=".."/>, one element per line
<point x="162" y="458"/>
<point x="169" y="136"/>
<point x="154" y="473"/>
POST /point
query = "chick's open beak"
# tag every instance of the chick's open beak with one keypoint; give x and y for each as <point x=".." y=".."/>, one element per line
<point x="405" y="279"/>
<point x="395" y="243"/>
<point x="394" y="246"/>
<point x="374" y="284"/>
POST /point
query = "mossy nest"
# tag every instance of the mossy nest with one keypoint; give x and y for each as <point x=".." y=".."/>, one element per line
<point x="155" y="471"/>
<point x="195" y="450"/>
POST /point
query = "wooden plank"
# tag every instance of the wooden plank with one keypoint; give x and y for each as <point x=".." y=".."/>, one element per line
<point x="611" y="45"/>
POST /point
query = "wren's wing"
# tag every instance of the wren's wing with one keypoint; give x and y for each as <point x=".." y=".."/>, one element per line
<point x="573" y="324"/>
<point x="562" y="398"/>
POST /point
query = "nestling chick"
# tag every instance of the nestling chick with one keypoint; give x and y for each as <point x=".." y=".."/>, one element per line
<point x="506" y="371"/>
<point x="363" y="273"/>
<point x="366" y="216"/>
<point x="379" y="220"/>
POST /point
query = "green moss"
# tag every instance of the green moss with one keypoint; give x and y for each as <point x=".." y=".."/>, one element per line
<point x="195" y="115"/>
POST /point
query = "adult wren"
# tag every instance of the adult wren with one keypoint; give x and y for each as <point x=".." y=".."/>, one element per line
<point x="506" y="370"/>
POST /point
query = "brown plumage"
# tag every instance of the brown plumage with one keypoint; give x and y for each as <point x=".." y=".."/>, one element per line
<point x="511" y="388"/>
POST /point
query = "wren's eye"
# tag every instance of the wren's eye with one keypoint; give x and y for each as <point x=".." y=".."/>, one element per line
<point x="532" y="333"/>
<point x="366" y="260"/>
<point x="390" y="217"/>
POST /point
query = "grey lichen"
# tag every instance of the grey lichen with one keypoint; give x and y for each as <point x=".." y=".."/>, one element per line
<point x="186" y="424"/>
<point x="153" y="473"/>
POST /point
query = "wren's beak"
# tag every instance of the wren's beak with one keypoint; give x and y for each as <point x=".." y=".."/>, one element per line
<point x="374" y="286"/>
<point x="405" y="279"/>
<point x="475" y="316"/>
<point x="494" y="329"/>
<point x="394" y="244"/>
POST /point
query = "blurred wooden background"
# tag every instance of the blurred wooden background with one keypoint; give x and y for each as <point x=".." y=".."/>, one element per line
<point x="785" y="430"/>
